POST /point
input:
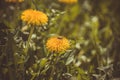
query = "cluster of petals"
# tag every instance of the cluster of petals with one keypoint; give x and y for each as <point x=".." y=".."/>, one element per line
<point x="34" y="17"/>
<point x="57" y="44"/>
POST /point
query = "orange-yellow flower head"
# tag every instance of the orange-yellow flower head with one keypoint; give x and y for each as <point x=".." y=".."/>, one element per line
<point x="68" y="1"/>
<point x="57" y="44"/>
<point x="34" y="17"/>
<point x="14" y="1"/>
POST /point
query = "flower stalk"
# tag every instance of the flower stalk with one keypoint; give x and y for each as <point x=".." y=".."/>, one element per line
<point x="54" y="66"/>
<point x="29" y="38"/>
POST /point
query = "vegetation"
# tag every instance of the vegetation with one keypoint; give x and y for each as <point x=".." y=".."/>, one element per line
<point x="59" y="40"/>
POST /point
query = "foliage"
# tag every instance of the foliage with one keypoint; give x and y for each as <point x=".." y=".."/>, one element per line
<point x="91" y="26"/>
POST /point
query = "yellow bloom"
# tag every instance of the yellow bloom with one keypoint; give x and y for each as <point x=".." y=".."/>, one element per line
<point x="34" y="17"/>
<point x="68" y="1"/>
<point x="57" y="44"/>
<point x="14" y="0"/>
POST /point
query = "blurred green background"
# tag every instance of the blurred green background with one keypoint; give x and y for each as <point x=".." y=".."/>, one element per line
<point x="92" y="26"/>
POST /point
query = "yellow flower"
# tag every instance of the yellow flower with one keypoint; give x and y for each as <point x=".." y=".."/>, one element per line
<point x="14" y="0"/>
<point x="68" y="1"/>
<point x="34" y="17"/>
<point x="57" y="44"/>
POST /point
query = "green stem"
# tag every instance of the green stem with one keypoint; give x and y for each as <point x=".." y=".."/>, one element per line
<point x="52" y="72"/>
<point x="29" y="38"/>
<point x="54" y="66"/>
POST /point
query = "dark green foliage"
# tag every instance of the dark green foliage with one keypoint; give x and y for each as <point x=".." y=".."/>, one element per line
<point x="92" y="26"/>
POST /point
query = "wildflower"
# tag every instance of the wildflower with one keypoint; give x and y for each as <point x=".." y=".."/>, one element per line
<point x="34" y="17"/>
<point x="68" y="1"/>
<point x="57" y="44"/>
<point x="14" y="0"/>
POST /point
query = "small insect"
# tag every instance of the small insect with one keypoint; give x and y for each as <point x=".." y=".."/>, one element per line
<point x="60" y="37"/>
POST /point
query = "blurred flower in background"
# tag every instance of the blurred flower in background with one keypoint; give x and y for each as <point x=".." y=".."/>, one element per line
<point x="14" y="1"/>
<point x="68" y="1"/>
<point x="57" y="44"/>
<point x="34" y="17"/>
